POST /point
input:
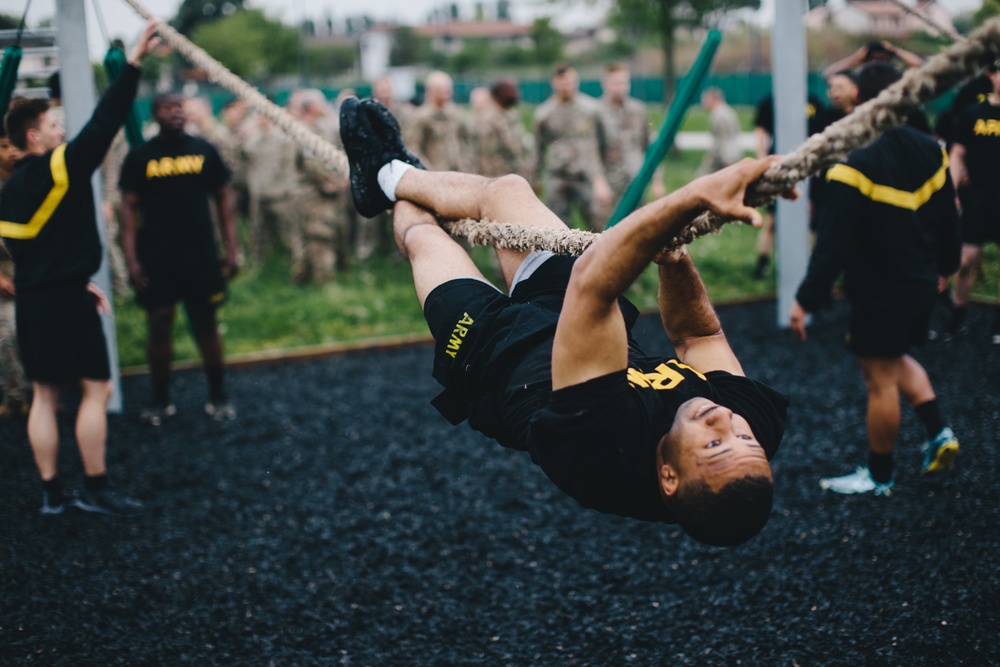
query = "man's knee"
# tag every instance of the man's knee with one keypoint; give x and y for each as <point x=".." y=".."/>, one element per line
<point x="508" y="189"/>
<point x="161" y="322"/>
<point x="880" y="375"/>
<point x="97" y="390"/>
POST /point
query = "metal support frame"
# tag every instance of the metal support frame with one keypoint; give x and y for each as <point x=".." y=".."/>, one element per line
<point x="788" y="58"/>
<point x="79" y="99"/>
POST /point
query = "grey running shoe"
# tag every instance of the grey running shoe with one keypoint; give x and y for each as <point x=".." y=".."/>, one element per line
<point x="939" y="453"/>
<point x="157" y="414"/>
<point x="220" y="410"/>
<point x="859" y="481"/>
<point x="110" y="501"/>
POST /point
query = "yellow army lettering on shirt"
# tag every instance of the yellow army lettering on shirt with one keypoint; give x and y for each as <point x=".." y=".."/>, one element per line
<point x="458" y="335"/>
<point x="986" y="127"/>
<point x="181" y="165"/>
<point x="661" y="378"/>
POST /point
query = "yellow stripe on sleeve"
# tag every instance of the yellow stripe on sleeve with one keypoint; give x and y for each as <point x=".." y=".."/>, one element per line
<point x="60" y="184"/>
<point x="888" y="195"/>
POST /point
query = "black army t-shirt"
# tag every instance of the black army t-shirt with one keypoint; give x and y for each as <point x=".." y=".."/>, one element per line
<point x="979" y="132"/>
<point x="597" y="440"/>
<point x="173" y="178"/>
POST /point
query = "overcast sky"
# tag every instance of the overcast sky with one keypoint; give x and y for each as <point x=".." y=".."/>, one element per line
<point x="122" y="21"/>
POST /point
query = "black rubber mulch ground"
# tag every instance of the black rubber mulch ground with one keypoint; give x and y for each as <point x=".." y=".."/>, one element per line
<point x="340" y="521"/>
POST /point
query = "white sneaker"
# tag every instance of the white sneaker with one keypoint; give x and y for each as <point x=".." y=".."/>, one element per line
<point x="859" y="481"/>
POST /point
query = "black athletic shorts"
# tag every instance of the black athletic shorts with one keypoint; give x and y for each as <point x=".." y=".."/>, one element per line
<point x="980" y="215"/>
<point x="192" y="274"/>
<point x="488" y="344"/>
<point x="60" y="335"/>
<point x="888" y="328"/>
<point x="493" y="353"/>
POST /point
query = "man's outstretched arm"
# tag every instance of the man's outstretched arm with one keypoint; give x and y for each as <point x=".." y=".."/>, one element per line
<point x="689" y="318"/>
<point x="590" y="339"/>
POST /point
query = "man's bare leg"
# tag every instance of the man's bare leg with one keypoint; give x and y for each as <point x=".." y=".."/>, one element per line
<point x="43" y="431"/>
<point x="92" y="425"/>
<point x="434" y="256"/>
<point x="454" y="196"/>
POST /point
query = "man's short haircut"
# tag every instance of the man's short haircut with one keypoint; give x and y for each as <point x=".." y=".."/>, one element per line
<point x="725" y="519"/>
<point x="714" y="91"/>
<point x="611" y="68"/>
<point x="561" y="69"/>
<point x="875" y="47"/>
<point x="24" y="115"/>
<point x="161" y="98"/>
<point x="505" y="92"/>
<point x="874" y="78"/>
<point x="848" y="74"/>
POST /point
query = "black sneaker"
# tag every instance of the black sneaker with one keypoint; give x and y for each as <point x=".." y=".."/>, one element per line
<point x="370" y="146"/>
<point x="954" y="331"/>
<point x="110" y="501"/>
<point x="52" y="504"/>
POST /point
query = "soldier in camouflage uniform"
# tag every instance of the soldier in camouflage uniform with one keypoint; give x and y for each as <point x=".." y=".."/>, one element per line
<point x="14" y="386"/>
<point x="571" y="142"/>
<point x="231" y="136"/>
<point x="724" y="126"/>
<point x="629" y="133"/>
<point x="374" y="235"/>
<point x="274" y="185"/>
<point x="325" y="211"/>
<point x="202" y="123"/>
<point x="437" y="131"/>
<point x="500" y="144"/>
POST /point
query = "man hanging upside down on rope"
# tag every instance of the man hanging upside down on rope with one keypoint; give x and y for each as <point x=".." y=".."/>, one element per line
<point x="553" y="370"/>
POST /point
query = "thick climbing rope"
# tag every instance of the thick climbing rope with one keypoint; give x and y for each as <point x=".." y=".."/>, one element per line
<point x="820" y="151"/>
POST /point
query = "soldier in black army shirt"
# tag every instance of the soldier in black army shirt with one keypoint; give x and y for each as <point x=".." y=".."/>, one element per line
<point x="48" y="222"/>
<point x="889" y="225"/>
<point x="975" y="160"/>
<point x="172" y="255"/>
<point x="552" y="369"/>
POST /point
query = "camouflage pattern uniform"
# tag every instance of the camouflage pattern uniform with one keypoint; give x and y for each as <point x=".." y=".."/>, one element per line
<point x="230" y="147"/>
<point x="724" y="126"/>
<point x="274" y="185"/>
<point x="629" y="137"/>
<point x="571" y="142"/>
<point x="500" y="145"/>
<point x="372" y="236"/>
<point x="14" y="385"/>
<point x="325" y="211"/>
<point x="111" y="169"/>
<point x="439" y="137"/>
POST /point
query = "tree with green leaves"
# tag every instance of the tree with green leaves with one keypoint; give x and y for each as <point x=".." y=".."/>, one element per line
<point x="250" y="44"/>
<point x="193" y="13"/>
<point x="664" y="17"/>
<point x="548" y="41"/>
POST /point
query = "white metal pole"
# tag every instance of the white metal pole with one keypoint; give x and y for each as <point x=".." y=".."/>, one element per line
<point x="789" y="73"/>
<point x="78" y="98"/>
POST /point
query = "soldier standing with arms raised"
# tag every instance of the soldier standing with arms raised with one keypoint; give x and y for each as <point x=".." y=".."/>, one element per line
<point x="48" y="221"/>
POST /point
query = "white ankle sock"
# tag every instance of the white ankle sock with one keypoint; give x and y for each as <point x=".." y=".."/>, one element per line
<point x="389" y="175"/>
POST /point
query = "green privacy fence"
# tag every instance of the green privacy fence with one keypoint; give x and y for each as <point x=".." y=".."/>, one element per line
<point x="745" y="88"/>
